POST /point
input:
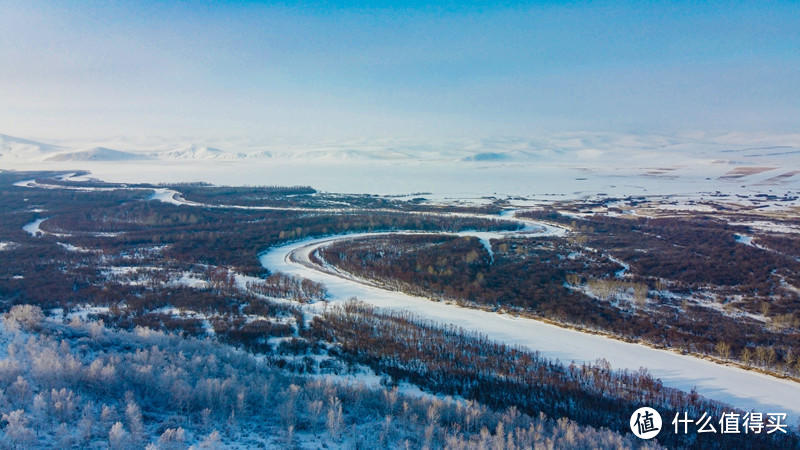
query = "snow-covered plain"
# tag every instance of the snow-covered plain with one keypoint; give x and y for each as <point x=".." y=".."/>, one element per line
<point x="528" y="173"/>
<point x="740" y="388"/>
<point x="543" y="168"/>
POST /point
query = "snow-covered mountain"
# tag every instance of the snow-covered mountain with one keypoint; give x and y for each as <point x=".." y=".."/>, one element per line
<point x="97" y="154"/>
<point x="19" y="150"/>
<point x="197" y="152"/>
<point x="15" y="148"/>
<point x="650" y="154"/>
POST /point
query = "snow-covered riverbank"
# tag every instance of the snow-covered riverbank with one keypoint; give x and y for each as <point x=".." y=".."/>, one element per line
<point x="740" y="388"/>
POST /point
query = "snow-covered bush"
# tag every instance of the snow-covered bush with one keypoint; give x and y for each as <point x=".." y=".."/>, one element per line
<point x="29" y="317"/>
<point x="178" y="392"/>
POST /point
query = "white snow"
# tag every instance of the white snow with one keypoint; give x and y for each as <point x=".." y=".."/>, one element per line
<point x="187" y="279"/>
<point x="625" y="267"/>
<point x="83" y="312"/>
<point x="131" y="275"/>
<point x="172" y="197"/>
<point x="107" y="233"/>
<point x="33" y="228"/>
<point x="72" y="248"/>
<point x="446" y="181"/>
<point x="485" y="241"/>
<point x="95" y="154"/>
<point x="124" y="270"/>
<point x="685" y="207"/>
<point x="193" y="151"/>
<point x="188" y="313"/>
<point x="18" y="149"/>
<point x="764" y="225"/>
<point x="7" y="245"/>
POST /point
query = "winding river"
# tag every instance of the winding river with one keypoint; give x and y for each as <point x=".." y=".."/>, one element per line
<point x="740" y="388"/>
<point x="737" y="387"/>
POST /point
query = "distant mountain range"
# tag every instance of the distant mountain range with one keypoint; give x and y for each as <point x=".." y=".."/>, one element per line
<point x="18" y="148"/>
<point x="655" y="153"/>
<point x="26" y="150"/>
<point x="96" y="154"/>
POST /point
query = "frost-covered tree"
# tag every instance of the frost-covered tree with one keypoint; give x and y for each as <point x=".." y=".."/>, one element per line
<point x="27" y="317"/>
<point x="133" y="416"/>
<point x="335" y="420"/>
<point x="232" y="391"/>
<point x="117" y="436"/>
<point x="172" y="438"/>
<point x="210" y="442"/>
<point x="108" y="415"/>
<point x="17" y="433"/>
<point x="19" y="392"/>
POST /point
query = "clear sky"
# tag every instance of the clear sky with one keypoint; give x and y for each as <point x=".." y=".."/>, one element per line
<point x="342" y="69"/>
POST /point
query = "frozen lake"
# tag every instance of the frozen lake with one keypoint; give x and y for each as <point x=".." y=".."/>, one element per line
<point x="443" y="179"/>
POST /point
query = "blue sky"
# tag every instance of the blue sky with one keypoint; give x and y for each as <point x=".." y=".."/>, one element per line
<point x="396" y="69"/>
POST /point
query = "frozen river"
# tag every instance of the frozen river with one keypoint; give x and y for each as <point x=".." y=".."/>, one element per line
<point x="740" y="388"/>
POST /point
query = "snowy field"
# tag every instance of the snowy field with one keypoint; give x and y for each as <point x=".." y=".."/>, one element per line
<point x="545" y="168"/>
<point x="436" y="180"/>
